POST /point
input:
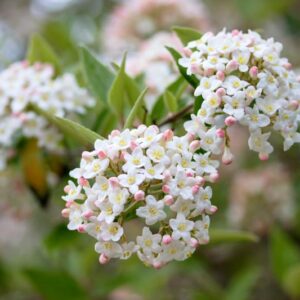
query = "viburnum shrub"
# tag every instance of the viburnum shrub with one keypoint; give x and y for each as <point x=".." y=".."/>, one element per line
<point x="243" y="79"/>
<point x="152" y="175"/>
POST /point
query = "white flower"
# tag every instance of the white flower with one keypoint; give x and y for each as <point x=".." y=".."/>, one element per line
<point x="290" y="138"/>
<point x="75" y="218"/>
<point x="108" y="211"/>
<point x="207" y="85"/>
<point x="242" y="57"/>
<point x="111" y="232"/>
<point x="109" y="248"/>
<point x="128" y="249"/>
<point x="233" y="84"/>
<point x="235" y="105"/>
<point x="134" y="160"/>
<point x="210" y="141"/>
<point x="153" y="211"/>
<point x="73" y="191"/>
<point x="157" y="153"/>
<point x="204" y="164"/>
<point x="181" y="227"/>
<point x="149" y="242"/>
<point x="254" y="119"/>
<point x="259" y="142"/>
<point x="131" y="180"/>
<point x="173" y="251"/>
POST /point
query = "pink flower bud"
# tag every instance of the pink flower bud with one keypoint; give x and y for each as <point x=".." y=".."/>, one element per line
<point x="227" y="157"/>
<point x="102" y="154"/>
<point x="103" y="259"/>
<point x="87" y="214"/>
<point x="81" y="228"/>
<point x="194" y="68"/>
<point x="67" y="189"/>
<point x="114" y="182"/>
<point x="139" y="195"/>
<point x="294" y="104"/>
<point x="214" y="177"/>
<point x="195" y="189"/>
<point x="157" y="265"/>
<point x="168" y="135"/>
<point x="263" y="156"/>
<point x="167" y="239"/>
<point x="220" y="75"/>
<point x="166" y="189"/>
<point x="190" y="136"/>
<point x="65" y="213"/>
<point x="221" y="92"/>
<point x="115" y="133"/>
<point x="69" y="203"/>
<point x="187" y="51"/>
<point x="167" y="175"/>
<point x="194" y="145"/>
<point x="122" y="155"/>
<point x="232" y="66"/>
<point x="229" y="121"/>
<point x="220" y="133"/>
<point x="168" y="200"/>
<point x="194" y="243"/>
<point x="189" y="174"/>
<point x="208" y="72"/>
<point x="253" y="72"/>
<point x="213" y="209"/>
<point x="133" y="145"/>
<point x="82" y="181"/>
<point x="288" y="66"/>
<point x="86" y="155"/>
<point x="235" y="32"/>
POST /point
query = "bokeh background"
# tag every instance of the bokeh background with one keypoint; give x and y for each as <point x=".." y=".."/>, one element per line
<point x="40" y="259"/>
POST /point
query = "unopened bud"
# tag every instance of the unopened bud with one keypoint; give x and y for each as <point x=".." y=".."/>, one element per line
<point x="227" y="157"/>
<point x="168" y="200"/>
<point x="195" y="145"/>
<point x="139" y="195"/>
<point x="229" y="121"/>
<point x="167" y="239"/>
<point x="103" y="259"/>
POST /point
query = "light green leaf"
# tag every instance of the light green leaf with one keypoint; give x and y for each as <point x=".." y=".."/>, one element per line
<point x="192" y="79"/>
<point x="170" y="101"/>
<point x="99" y="78"/>
<point x="284" y="253"/>
<point x="218" y="236"/>
<point x="134" y="111"/>
<point x="70" y="128"/>
<point x="40" y="51"/>
<point x="291" y="281"/>
<point x="186" y="34"/>
<point x="53" y="285"/>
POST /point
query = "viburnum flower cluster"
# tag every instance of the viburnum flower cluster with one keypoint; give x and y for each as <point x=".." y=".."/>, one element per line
<point x="135" y="21"/>
<point x="243" y="78"/>
<point x="22" y="84"/>
<point x="147" y="175"/>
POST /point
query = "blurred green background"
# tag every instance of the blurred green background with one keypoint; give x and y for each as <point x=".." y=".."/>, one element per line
<point x="40" y="259"/>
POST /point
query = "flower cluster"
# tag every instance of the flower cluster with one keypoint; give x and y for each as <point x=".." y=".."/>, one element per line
<point x="243" y="78"/>
<point x="22" y="84"/>
<point x="155" y="63"/>
<point x="143" y="174"/>
<point x="135" y="21"/>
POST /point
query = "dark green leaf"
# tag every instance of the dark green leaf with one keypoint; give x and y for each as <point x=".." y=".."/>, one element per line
<point x="284" y="253"/>
<point x="197" y="103"/>
<point x="70" y="128"/>
<point x="170" y="102"/>
<point x="40" y="51"/>
<point x="186" y="34"/>
<point x="99" y="78"/>
<point x="134" y="111"/>
<point x="53" y="285"/>
<point x="192" y="79"/>
<point x="231" y="236"/>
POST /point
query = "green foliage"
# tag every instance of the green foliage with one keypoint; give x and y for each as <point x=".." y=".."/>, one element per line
<point x="135" y="109"/>
<point x="170" y="101"/>
<point x="192" y="79"/>
<point x="98" y="77"/>
<point x="40" y="51"/>
<point x="291" y="281"/>
<point x="284" y="253"/>
<point x="186" y="34"/>
<point x="70" y="128"/>
<point x="218" y="236"/>
<point x="54" y="285"/>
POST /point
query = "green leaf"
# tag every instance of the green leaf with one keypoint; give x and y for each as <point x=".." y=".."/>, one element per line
<point x="70" y="128"/>
<point x="231" y="236"/>
<point x="192" y="79"/>
<point x="40" y="51"/>
<point x="60" y="237"/>
<point x="99" y="78"/>
<point x="198" y="103"/>
<point x="134" y="111"/>
<point x="284" y="253"/>
<point x="291" y="281"/>
<point x="241" y="285"/>
<point x="53" y="285"/>
<point x="170" y="101"/>
<point x="186" y="34"/>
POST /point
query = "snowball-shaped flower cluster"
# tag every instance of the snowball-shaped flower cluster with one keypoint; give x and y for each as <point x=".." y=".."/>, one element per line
<point x="148" y="175"/>
<point x="243" y="78"/>
<point x="155" y="63"/>
<point x="134" y="21"/>
<point x="22" y="84"/>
